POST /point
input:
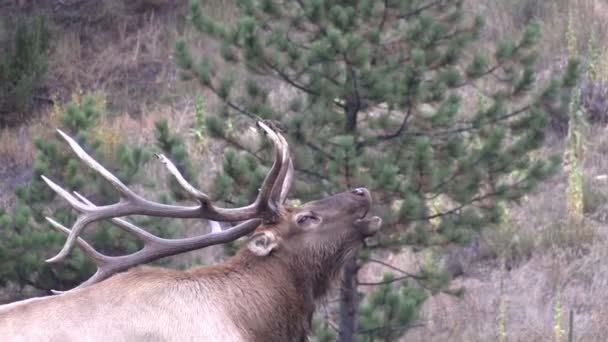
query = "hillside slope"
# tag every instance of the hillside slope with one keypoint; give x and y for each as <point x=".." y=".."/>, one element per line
<point x="522" y="280"/>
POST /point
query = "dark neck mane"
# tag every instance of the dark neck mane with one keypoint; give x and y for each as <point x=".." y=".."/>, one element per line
<point x="263" y="295"/>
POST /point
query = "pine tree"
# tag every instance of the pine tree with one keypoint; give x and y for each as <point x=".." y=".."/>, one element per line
<point x="382" y="102"/>
<point x="23" y="65"/>
<point x="26" y="239"/>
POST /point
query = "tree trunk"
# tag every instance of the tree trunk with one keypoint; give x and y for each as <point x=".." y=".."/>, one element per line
<point x="348" y="302"/>
<point x="352" y="105"/>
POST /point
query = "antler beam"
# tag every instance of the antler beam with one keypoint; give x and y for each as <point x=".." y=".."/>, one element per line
<point x="154" y="246"/>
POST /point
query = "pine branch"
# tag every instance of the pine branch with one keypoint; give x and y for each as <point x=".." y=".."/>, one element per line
<point x="263" y="161"/>
<point x="384" y="282"/>
<point x="380" y="28"/>
<point x="320" y="150"/>
<point x="394" y="268"/>
<point x="467" y="127"/>
<point x="347" y="175"/>
<point x="419" y="10"/>
<point x="492" y="69"/>
<point x="389" y="327"/>
<point x="227" y="101"/>
<point x="468" y="203"/>
<point x="475" y="126"/>
<point x="283" y="76"/>
<point x="402" y="128"/>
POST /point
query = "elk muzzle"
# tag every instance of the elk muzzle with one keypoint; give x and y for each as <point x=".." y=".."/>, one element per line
<point x="367" y="226"/>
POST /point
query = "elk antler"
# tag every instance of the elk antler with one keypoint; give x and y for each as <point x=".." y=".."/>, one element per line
<point x="281" y="187"/>
<point x="265" y="207"/>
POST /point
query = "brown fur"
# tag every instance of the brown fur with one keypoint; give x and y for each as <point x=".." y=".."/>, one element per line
<point x="250" y="297"/>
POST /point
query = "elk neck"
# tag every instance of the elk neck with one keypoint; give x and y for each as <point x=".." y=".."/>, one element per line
<point x="262" y="294"/>
<point x="283" y="287"/>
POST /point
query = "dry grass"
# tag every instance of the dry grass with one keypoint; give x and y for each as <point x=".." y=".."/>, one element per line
<point x="116" y="129"/>
<point x="15" y="145"/>
<point x="125" y="53"/>
<point x="529" y="292"/>
<point x="506" y="18"/>
<point x="17" y="152"/>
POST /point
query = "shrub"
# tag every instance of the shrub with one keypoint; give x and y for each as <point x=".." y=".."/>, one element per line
<point x="23" y="65"/>
<point x="594" y="99"/>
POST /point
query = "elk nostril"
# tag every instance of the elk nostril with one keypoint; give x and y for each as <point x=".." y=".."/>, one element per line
<point x="359" y="192"/>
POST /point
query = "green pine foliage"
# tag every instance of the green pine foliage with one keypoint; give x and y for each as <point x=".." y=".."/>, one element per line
<point x="174" y="148"/>
<point x="385" y="314"/>
<point x="381" y="103"/>
<point x="23" y="65"/>
<point x="26" y="239"/>
<point x="322" y="331"/>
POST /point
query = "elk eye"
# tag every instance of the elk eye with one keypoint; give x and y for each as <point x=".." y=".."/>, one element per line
<point x="306" y="219"/>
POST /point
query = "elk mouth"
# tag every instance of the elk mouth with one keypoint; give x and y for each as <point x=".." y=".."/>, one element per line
<point x="368" y="226"/>
<point x="364" y="224"/>
<point x="365" y="212"/>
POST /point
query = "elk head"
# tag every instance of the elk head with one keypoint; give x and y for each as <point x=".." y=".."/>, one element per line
<point x="315" y="236"/>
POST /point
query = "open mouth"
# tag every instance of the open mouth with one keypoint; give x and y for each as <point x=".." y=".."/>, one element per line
<point x="364" y="214"/>
<point x="368" y="226"/>
<point x="363" y="210"/>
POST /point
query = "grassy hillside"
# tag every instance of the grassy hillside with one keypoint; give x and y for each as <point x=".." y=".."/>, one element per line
<point x="522" y="280"/>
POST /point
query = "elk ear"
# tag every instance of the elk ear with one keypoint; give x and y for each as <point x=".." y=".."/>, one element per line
<point x="261" y="244"/>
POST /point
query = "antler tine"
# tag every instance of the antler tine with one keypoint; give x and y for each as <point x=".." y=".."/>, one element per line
<point x="131" y="228"/>
<point x="126" y="225"/>
<point x="200" y="196"/>
<point x="287" y="182"/>
<point x="98" y="258"/>
<point x="80" y="242"/>
<point x="92" y="163"/>
<point x="66" y="195"/>
<point x="133" y="204"/>
<point x="273" y="177"/>
<point x="266" y="196"/>
<point x="154" y="246"/>
<point x="285" y="179"/>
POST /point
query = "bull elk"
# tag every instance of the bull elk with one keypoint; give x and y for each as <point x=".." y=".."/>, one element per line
<point x="266" y="292"/>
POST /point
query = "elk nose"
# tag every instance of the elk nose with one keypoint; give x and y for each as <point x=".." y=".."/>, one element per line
<point x="362" y="192"/>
